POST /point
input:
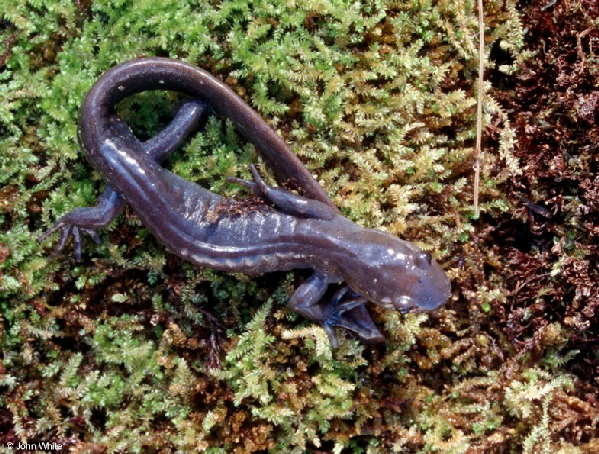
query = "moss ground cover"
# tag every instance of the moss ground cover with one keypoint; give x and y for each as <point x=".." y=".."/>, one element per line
<point x="134" y="350"/>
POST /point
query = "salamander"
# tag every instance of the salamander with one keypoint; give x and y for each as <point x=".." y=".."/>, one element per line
<point x="285" y="231"/>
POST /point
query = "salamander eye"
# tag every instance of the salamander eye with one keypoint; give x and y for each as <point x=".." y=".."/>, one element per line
<point x="425" y="257"/>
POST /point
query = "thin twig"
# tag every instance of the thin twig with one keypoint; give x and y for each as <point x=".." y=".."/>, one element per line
<point x="479" y="110"/>
<point x="579" y="37"/>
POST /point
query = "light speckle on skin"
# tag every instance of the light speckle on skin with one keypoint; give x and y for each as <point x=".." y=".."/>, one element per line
<point x="205" y="261"/>
<point x="189" y="208"/>
<point x="386" y="303"/>
<point x="277" y="224"/>
<point x="400" y="256"/>
<point x="127" y="156"/>
<point x="403" y="300"/>
<point x="243" y="229"/>
<point x="230" y="263"/>
<point x="132" y="161"/>
<point x="261" y="220"/>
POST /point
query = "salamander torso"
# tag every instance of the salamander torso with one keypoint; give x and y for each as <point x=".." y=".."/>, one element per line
<point x="282" y="231"/>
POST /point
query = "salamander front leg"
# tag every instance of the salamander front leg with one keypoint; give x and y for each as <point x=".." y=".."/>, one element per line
<point x="345" y="309"/>
<point x="306" y="301"/>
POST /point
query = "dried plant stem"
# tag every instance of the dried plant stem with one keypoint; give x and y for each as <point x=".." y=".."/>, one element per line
<point x="479" y="110"/>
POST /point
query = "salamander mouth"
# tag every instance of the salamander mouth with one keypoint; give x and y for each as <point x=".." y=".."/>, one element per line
<point x="427" y="297"/>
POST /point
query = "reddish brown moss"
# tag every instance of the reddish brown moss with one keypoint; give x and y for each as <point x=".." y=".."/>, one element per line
<point x="551" y="236"/>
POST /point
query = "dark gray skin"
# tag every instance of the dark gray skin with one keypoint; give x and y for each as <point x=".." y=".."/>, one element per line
<point x="287" y="231"/>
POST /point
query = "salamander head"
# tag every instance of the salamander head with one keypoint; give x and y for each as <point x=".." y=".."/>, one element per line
<point x="393" y="273"/>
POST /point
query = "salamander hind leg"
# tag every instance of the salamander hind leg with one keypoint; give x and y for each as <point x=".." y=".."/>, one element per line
<point x="345" y="309"/>
<point x="110" y="204"/>
<point x="86" y="220"/>
<point x="285" y="200"/>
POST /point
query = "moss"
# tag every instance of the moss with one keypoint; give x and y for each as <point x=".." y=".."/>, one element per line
<point x="134" y="350"/>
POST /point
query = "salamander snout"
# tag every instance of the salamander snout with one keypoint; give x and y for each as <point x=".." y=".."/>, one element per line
<point x="396" y="274"/>
<point x="430" y="290"/>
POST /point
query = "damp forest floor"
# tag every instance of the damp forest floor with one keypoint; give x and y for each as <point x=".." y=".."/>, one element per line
<point x="134" y="350"/>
